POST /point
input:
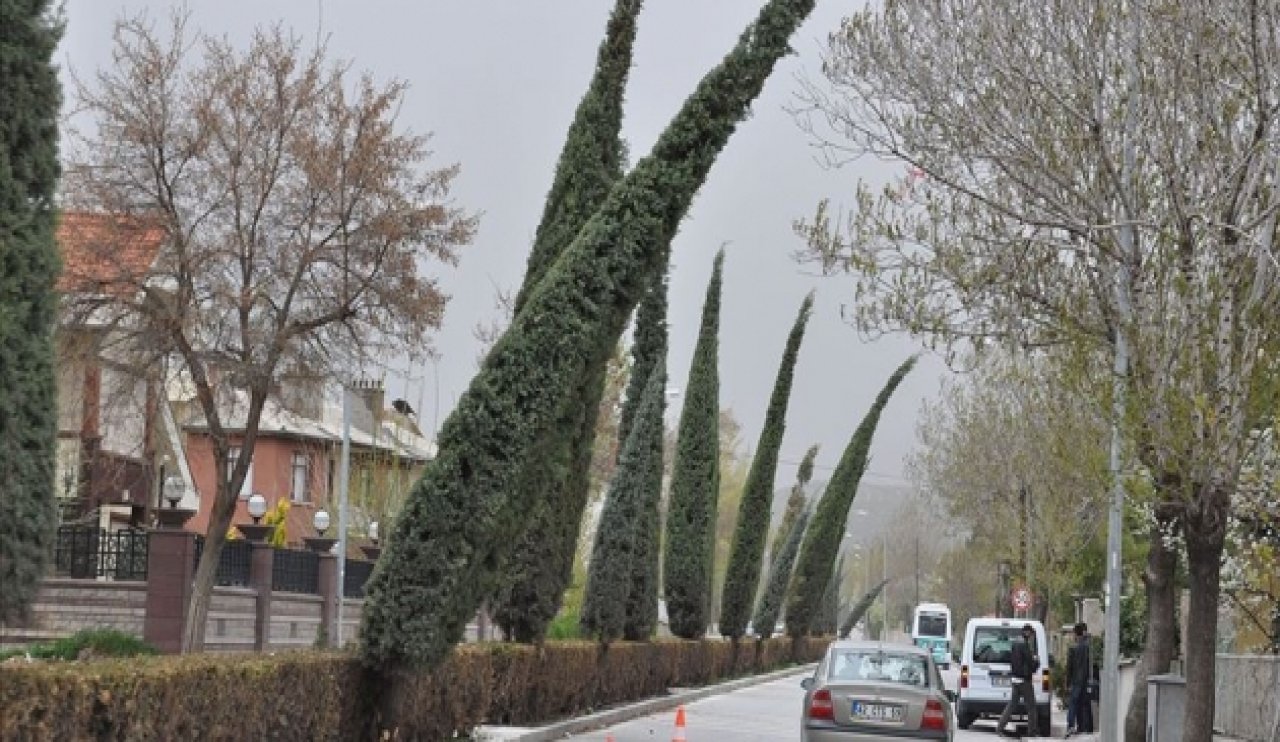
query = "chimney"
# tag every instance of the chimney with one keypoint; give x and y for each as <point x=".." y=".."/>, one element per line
<point x="367" y="407"/>
<point x="302" y="393"/>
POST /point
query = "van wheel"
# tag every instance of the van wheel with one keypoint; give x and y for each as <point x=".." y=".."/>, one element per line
<point x="964" y="720"/>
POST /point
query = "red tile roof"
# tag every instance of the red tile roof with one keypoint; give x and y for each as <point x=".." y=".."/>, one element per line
<point x="105" y="253"/>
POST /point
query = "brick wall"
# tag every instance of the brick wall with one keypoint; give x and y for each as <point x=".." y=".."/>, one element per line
<point x="64" y="606"/>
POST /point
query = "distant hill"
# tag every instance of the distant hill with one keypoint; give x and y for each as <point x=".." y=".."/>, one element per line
<point x="880" y="501"/>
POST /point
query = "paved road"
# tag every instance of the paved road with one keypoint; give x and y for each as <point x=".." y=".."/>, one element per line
<point x="762" y="713"/>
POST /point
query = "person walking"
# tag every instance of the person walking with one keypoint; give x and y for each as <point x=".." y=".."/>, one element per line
<point x="1079" y="666"/>
<point x="1023" y="663"/>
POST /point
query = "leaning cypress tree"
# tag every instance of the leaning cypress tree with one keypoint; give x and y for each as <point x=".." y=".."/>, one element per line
<point x="648" y="349"/>
<point x="530" y="588"/>
<point x="649" y="352"/>
<point x="695" y="479"/>
<point x="606" y="604"/>
<point x="29" y="99"/>
<point x="860" y="609"/>
<point x="747" y="550"/>
<point x="829" y="608"/>
<point x="795" y="502"/>
<point x="822" y="542"/>
<point x="460" y="520"/>
<point x="775" y="589"/>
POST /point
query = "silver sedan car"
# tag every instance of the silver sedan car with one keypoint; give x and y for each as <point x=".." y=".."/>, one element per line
<point x="866" y="690"/>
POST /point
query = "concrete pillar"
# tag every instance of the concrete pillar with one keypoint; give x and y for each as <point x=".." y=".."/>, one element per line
<point x="330" y="610"/>
<point x="261" y="562"/>
<point x="170" y="566"/>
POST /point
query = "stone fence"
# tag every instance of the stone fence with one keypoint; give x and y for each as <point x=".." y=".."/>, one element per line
<point x="1247" y="696"/>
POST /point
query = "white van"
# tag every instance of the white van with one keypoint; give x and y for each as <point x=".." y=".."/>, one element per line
<point x="985" y="672"/>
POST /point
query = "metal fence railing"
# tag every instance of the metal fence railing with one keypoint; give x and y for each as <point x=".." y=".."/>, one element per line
<point x="357" y="575"/>
<point x="233" y="566"/>
<point x="87" y="552"/>
<point x="295" y="571"/>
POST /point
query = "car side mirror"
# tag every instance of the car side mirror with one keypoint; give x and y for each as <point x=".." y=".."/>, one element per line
<point x="807" y="683"/>
<point x="951" y="695"/>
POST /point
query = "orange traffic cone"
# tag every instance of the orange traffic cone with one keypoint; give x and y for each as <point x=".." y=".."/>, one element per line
<point x="679" y="726"/>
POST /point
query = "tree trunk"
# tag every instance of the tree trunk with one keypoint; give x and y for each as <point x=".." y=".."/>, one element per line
<point x="1157" y="655"/>
<point x="224" y="507"/>
<point x="1205" y="530"/>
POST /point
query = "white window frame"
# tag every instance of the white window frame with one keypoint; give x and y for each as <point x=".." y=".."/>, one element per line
<point x="302" y="494"/>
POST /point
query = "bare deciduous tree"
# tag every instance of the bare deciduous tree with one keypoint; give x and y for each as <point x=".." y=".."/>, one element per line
<point x="299" y="219"/>
<point x="1080" y="174"/>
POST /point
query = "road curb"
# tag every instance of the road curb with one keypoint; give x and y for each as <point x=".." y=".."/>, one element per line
<point x="619" y="714"/>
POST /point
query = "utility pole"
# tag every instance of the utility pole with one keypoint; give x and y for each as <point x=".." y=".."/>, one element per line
<point x="344" y="475"/>
<point x="1110" y="711"/>
<point x="917" y="567"/>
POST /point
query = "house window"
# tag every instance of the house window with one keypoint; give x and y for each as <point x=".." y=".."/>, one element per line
<point x="233" y="458"/>
<point x="301" y="476"/>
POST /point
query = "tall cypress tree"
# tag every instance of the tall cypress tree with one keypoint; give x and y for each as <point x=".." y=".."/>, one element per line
<point x="743" y="573"/>
<point x="860" y="609"/>
<point x="460" y="520"/>
<point x="29" y="99"/>
<point x="648" y="349"/>
<point x="695" y="479"/>
<point x="829" y="608"/>
<point x="606" y="606"/>
<point x="795" y="502"/>
<point x="649" y="353"/>
<point x="532" y="584"/>
<point x="775" y="589"/>
<point x="822" y="542"/>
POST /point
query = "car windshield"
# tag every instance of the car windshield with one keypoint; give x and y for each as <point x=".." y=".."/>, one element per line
<point x="899" y="668"/>
<point x="993" y="644"/>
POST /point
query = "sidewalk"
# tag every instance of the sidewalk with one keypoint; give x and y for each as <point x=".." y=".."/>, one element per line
<point x="627" y="712"/>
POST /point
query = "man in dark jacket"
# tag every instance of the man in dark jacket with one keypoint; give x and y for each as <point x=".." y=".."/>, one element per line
<point x="1023" y="663"/>
<point x="1079" y="705"/>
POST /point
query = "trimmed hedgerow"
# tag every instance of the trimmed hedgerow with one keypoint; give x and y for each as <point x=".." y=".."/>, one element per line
<point x="325" y="696"/>
<point x="460" y="520"/>
<point x="695" y="479"/>
<point x="826" y="528"/>
<point x="530" y="589"/>
<point x="745" y="555"/>
<point x="29" y="100"/>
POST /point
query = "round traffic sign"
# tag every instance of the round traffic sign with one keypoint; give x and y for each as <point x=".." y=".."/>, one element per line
<point x="1021" y="598"/>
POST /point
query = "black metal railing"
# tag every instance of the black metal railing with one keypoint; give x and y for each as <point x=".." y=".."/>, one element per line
<point x="88" y="552"/>
<point x="233" y="566"/>
<point x="295" y="571"/>
<point x="357" y="575"/>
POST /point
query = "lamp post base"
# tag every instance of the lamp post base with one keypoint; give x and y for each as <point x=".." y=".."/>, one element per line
<point x="319" y="544"/>
<point x="173" y="518"/>
<point x="255" y="533"/>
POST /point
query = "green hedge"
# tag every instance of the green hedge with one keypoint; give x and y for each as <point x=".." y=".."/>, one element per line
<point x="328" y="696"/>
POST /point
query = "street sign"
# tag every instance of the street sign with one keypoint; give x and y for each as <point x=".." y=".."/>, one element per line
<point x="1021" y="598"/>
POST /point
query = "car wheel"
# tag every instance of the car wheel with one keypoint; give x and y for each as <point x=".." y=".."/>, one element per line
<point x="964" y="719"/>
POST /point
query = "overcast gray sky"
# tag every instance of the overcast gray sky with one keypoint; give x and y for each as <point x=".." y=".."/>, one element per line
<point x="496" y="82"/>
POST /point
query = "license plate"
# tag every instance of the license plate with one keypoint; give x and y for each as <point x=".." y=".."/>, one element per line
<point x="999" y="681"/>
<point x="875" y="712"/>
